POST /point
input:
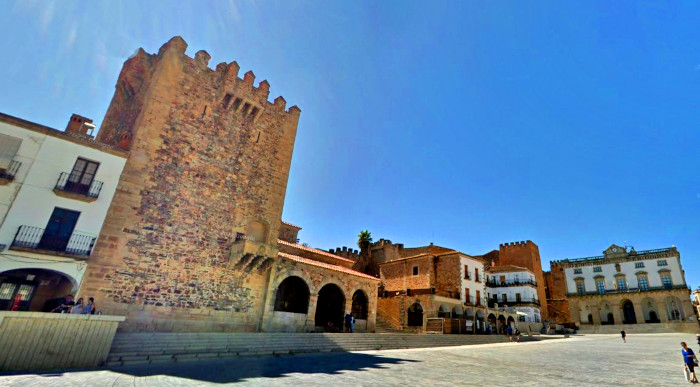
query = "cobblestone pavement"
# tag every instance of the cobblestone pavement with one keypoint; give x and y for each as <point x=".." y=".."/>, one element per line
<point x="592" y="360"/>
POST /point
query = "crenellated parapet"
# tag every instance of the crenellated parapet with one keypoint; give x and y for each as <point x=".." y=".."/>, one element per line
<point x="345" y="252"/>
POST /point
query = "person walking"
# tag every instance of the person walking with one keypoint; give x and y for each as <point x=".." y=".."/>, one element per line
<point x="349" y="320"/>
<point x="517" y="335"/>
<point x="624" y="335"/>
<point x="690" y="362"/>
<point x="78" y="307"/>
<point x="509" y="332"/>
<point x="698" y="337"/>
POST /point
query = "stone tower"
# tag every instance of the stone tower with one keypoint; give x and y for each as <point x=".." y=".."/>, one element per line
<point x="526" y="254"/>
<point x="208" y="166"/>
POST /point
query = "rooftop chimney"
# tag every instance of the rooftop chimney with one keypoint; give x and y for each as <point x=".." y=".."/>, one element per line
<point x="80" y="125"/>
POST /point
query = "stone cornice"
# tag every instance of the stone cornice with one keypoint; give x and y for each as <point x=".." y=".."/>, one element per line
<point x="633" y="257"/>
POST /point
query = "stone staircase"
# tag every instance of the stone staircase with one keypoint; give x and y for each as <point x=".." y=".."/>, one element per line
<point x="681" y="327"/>
<point x="382" y="326"/>
<point x="144" y="348"/>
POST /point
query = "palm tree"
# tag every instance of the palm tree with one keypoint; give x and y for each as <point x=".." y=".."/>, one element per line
<point x="364" y="239"/>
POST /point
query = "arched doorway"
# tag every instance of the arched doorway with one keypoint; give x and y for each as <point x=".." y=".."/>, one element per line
<point x="501" y="324"/>
<point x="457" y="312"/>
<point x="415" y="315"/>
<point x="653" y="318"/>
<point x="674" y="309"/>
<point x="649" y="311"/>
<point x="330" y="306"/>
<point x="611" y="319"/>
<point x="359" y="305"/>
<point x="34" y="290"/>
<point x="444" y="311"/>
<point x="590" y="318"/>
<point x="511" y="321"/>
<point x="492" y="325"/>
<point x="628" y="315"/>
<point x="292" y="296"/>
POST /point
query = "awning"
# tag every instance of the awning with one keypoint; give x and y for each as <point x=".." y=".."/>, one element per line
<point x="519" y="313"/>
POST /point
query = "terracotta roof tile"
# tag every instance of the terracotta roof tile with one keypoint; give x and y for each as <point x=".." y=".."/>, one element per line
<point x="289" y="224"/>
<point x="312" y="250"/>
<point x="328" y="266"/>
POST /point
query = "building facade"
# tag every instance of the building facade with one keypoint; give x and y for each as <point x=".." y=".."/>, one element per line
<point x="55" y="190"/>
<point x="516" y="287"/>
<point x="628" y="287"/>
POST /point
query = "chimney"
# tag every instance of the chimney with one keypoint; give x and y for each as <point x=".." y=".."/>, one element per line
<point x="80" y="125"/>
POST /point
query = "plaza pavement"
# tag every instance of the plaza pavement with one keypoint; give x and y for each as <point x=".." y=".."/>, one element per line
<point x="592" y="360"/>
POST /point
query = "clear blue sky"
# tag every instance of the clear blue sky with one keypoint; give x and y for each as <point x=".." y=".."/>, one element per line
<point x="572" y="124"/>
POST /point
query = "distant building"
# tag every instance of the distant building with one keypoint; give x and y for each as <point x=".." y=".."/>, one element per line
<point x="628" y="287"/>
<point x="514" y="286"/>
<point x="55" y="190"/>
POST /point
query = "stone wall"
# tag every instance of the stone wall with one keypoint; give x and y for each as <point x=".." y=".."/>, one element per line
<point x="209" y="161"/>
<point x="447" y="274"/>
<point x="399" y="275"/>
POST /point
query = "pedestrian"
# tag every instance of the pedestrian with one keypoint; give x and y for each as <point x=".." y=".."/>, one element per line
<point x="78" y="307"/>
<point x="624" y="335"/>
<point x="509" y="332"/>
<point x="690" y="362"/>
<point x="698" y="337"/>
<point x="90" y="307"/>
<point x="349" y="320"/>
<point x="65" y="306"/>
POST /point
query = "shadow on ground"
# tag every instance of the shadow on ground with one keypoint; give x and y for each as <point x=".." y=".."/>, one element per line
<point x="236" y="370"/>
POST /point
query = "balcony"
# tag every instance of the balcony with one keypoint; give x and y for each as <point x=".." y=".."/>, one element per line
<point x="511" y="302"/>
<point x="629" y="290"/>
<point x="498" y="284"/>
<point x="473" y="301"/>
<point x="8" y="175"/>
<point x="76" y="190"/>
<point x="34" y="239"/>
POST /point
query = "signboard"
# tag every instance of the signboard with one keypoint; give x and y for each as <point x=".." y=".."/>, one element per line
<point x="434" y="325"/>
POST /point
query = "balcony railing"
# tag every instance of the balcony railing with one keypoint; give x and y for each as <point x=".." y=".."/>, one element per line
<point x="473" y="301"/>
<point x="35" y="238"/>
<point x="628" y="290"/>
<point x="91" y="190"/>
<point x="11" y="171"/>
<point x="496" y="284"/>
<point x="511" y="302"/>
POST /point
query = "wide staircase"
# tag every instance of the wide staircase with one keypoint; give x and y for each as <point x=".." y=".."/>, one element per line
<point x="144" y="348"/>
<point x="679" y="327"/>
<point x="382" y="326"/>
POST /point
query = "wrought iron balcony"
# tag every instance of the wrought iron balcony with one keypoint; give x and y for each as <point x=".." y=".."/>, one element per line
<point x="511" y="302"/>
<point x="9" y="173"/>
<point x="497" y="284"/>
<point x="29" y="238"/>
<point x="473" y="301"/>
<point x="90" y="191"/>
<point x="628" y="290"/>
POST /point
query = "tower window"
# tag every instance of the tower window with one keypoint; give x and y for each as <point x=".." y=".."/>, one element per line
<point x="415" y="270"/>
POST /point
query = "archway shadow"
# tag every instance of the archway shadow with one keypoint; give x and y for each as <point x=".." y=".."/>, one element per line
<point x="239" y="369"/>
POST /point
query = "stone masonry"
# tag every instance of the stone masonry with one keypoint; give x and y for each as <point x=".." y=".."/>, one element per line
<point x="208" y="168"/>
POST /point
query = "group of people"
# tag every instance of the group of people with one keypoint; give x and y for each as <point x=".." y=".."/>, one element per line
<point x="75" y="307"/>
<point x="513" y="333"/>
<point x="349" y="322"/>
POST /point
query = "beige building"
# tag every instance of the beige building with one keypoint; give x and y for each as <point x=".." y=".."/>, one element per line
<point x="628" y="287"/>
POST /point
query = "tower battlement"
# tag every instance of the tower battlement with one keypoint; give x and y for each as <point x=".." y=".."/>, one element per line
<point x="226" y="93"/>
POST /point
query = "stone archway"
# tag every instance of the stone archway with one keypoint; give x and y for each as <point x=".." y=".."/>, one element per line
<point x="359" y="305"/>
<point x="511" y="321"/>
<point x="606" y="316"/>
<point x="501" y="324"/>
<point x="292" y="296"/>
<point x="457" y="312"/>
<point x="330" y="306"/>
<point x="415" y="315"/>
<point x="492" y="323"/>
<point x="34" y="289"/>
<point x="444" y="311"/>
<point x="628" y="314"/>
<point x="649" y="309"/>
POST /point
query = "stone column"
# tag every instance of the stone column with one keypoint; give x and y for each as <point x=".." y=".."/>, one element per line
<point x="662" y="311"/>
<point x="311" y="319"/>
<point x="595" y="311"/>
<point x="638" y="312"/>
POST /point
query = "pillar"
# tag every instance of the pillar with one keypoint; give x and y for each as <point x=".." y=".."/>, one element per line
<point x="595" y="311"/>
<point x="662" y="311"/>
<point x="638" y="312"/>
<point x="617" y="312"/>
<point x="311" y="319"/>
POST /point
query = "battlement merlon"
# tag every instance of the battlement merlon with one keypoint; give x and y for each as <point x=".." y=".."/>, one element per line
<point x="227" y="74"/>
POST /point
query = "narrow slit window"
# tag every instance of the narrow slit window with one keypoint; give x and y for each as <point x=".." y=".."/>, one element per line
<point x="205" y="111"/>
<point x="227" y="100"/>
<point x="246" y="107"/>
<point x="254" y="112"/>
<point x="237" y="103"/>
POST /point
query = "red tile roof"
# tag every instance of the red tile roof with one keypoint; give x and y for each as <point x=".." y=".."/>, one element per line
<point x="328" y="266"/>
<point x="312" y="250"/>
<point x="507" y="269"/>
<point x="289" y="224"/>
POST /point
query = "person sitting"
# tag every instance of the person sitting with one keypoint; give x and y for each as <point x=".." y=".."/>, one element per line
<point x="65" y="306"/>
<point x="78" y="307"/>
<point x="90" y="307"/>
<point x="517" y="335"/>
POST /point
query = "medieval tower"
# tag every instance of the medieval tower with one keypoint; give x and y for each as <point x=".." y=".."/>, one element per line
<point x="208" y="166"/>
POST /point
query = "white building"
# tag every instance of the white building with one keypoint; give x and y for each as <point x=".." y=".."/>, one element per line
<point x="55" y="190"/>
<point x="514" y="286"/>
<point x="472" y="275"/>
<point x="627" y="287"/>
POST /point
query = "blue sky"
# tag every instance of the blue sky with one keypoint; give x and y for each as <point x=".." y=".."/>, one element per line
<point x="472" y="123"/>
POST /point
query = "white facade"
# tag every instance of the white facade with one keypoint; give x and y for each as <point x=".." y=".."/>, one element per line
<point x="516" y="288"/>
<point x="610" y="270"/>
<point x="30" y="199"/>
<point x="473" y="280"/>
